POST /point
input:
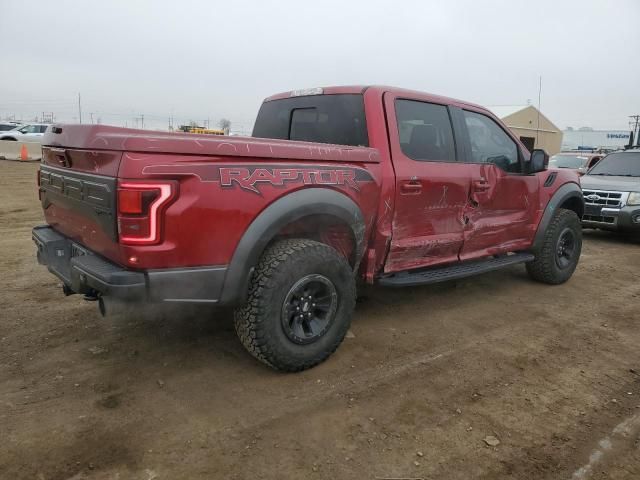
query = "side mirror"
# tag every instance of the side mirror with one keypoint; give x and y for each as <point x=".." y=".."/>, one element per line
<point x="539" y="161"/>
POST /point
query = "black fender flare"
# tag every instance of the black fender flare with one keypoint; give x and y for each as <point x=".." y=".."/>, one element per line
<point x="271" y="220"/>
<point x="564" y="194"/>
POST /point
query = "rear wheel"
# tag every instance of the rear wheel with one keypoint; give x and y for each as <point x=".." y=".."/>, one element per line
<point x="558" y="256"/>
<point x="300" y="303"/>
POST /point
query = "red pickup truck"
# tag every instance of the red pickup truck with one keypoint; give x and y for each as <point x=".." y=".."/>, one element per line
<point x="389" y="186"/>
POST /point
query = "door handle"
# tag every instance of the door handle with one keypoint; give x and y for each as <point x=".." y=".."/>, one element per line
<point x="411" y="187"/>
<point x="481" y="185"/>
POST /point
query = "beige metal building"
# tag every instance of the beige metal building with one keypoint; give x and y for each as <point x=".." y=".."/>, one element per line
<point x="532" y="127"/>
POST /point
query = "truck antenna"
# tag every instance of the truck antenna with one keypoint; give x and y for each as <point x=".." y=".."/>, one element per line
<point x="79" y="109"/>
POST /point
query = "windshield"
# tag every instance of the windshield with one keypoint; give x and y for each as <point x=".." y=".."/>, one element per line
<point x="337" y="119"/>
<point x="567" y="161"/>
<point x="622" y="164"/>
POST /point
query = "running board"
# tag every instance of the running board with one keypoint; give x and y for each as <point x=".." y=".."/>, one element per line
<point x="453" y="272"/>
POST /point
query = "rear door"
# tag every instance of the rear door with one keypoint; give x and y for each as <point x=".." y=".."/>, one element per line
<point x="432" y="188"/>
<point x="503" y="201"/>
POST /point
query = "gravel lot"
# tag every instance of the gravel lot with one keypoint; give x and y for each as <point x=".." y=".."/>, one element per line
<point x="428" y="377"/>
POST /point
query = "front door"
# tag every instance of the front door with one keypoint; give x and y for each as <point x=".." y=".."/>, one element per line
<point x="432" y="187"/>
<point x="503" y="202"/>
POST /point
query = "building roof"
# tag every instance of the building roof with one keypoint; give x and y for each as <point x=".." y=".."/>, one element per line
<point x="502" y="111"/>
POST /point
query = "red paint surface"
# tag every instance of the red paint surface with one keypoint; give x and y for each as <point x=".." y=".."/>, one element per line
<point x="443" y="221"/>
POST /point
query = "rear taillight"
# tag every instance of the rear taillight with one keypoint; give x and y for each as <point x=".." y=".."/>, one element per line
<point x="141" y="209"/>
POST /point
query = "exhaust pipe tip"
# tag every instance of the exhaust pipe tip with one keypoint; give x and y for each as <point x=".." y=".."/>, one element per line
<point x="66" y="290"/>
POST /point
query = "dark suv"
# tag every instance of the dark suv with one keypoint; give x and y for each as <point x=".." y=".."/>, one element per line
<point x="611" y="192"/>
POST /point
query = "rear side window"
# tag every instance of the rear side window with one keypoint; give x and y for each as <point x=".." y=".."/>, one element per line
<point x="425" y="131"/>
<point x="490" y="144"/>
<point x="337" y="119"/>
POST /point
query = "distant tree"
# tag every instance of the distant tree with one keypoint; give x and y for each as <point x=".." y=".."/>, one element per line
<point x="225" y="124"/>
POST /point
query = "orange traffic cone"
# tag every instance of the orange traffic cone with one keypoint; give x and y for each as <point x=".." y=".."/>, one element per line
<point x="24" y="155"/>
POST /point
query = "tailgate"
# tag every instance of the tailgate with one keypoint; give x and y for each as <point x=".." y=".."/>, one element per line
<point x="78" y="194"/>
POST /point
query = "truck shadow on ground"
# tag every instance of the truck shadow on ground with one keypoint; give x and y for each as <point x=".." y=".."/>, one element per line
<point x="205" y="337"/>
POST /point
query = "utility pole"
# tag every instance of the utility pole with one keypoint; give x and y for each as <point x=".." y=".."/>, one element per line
<point x="635" y="122"/>
<point x="142" y="119"/>
<point x="539" y="104"/>
<point x="79" y="109"/>
<point x="91" y="114"/>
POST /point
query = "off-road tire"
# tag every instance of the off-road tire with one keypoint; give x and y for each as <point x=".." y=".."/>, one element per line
<point x="258" y="322"/>
<point x="545" y="267"/>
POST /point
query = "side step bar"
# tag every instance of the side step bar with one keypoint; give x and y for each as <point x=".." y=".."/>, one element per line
<point x="453" y="272"/>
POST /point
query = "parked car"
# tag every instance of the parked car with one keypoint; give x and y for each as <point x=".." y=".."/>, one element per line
<point x="7" y="126"/>
<point x="337" y="184"/>
<point x="581" y="162"/>
<point x="612" y="192"/>
<point x="32" y="132"/>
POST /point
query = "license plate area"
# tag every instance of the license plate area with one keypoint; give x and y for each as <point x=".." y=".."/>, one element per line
<point x="594" y="210"/>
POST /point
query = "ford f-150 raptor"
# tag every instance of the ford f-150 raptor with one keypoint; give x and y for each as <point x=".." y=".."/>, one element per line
<point x="385" y="185"/>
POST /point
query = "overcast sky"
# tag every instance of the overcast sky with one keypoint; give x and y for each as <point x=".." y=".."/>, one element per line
<point x="207" y="59"/>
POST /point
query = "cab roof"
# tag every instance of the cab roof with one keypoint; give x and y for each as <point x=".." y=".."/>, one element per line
<point x="377" y="89"/>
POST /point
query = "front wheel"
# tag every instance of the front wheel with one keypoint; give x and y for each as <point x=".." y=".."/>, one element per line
<point x="557" y="257"/>
<point x="301" y="299"/>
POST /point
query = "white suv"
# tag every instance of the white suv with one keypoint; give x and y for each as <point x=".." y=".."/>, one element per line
<point x="28" y="133"/>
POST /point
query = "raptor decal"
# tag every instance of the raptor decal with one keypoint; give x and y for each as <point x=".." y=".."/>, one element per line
<point x="251" y="177"/>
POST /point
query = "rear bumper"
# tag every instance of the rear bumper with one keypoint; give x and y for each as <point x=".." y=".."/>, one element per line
<point x="84" y="272"/>
<point x="617" y="219"/>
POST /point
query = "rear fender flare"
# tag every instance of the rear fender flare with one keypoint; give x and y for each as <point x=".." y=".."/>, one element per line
<point x="566" y="193"/>
<point x="280" y="213"/>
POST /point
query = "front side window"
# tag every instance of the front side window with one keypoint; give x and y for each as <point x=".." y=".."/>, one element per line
<point x="30" y="129"/>
<point x="490" y="144"/>
<point x="425" y="131"/>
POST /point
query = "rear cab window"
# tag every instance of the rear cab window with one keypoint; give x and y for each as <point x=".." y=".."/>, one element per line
<point x="335" y="119"/>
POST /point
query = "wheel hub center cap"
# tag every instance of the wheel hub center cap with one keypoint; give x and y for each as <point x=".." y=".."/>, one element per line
<point x="305" y="307"/>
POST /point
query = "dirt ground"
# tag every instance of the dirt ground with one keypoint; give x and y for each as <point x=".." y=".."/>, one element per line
<point x="553" y="373"/>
